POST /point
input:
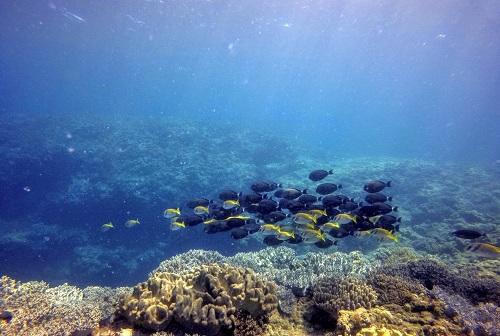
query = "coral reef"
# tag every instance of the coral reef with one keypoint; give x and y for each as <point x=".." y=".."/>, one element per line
<point x="204" y="300"/>
<point x="37" y="309"/>
<point x="187" y="261"/>
<point x="431" y="273"/>
<point x="332" y="295"/>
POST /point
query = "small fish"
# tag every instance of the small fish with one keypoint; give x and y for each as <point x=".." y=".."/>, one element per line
<point x="313" y="236"/>
<point x="177" y="225"/>
<point x="327" y="188"/>
<point x="386" y="220"/>
<point x="264" y="186"/>
<point x="344" y="218"/>
<point x="330" y="225"/>
<point x="376" y="186"/>
<point x="308" y="226"/>
<point x="484" y="250"/>
<point x="289" y="193"/>
<point x="318" y="175"/>
<point x="230" y="204"/>
<point x="132" y="222"/>
<point x="239" y="233"/>
<point x="303" y="218"/>
<point x="283" y="234"/>
<point x="468" y="234"/>
<point x="377" y="197"/>
<point x="383" y="235"/>
<point x="226" y="195"/>
<point x="317" y="212"/>
<point x="201" y="210"/>
<point x="171" y="212"/>
<point x="240" y="217"/>
<point x="107" y="226"/>
<point x="210" y="221"/>
<point x="269" y="229"/>
<point x="361" y="234"/>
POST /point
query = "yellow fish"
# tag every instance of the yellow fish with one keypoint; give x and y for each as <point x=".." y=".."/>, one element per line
<point x="171" y="212"/>
<point x="484" y="250"/>
<point x="237" y="217"/>
<point x="269" y="229"/>
<point x="175" y="225"/>
<point x="317" y="212"/>
<point x="313" y="236"/>
<point x="330" y="225"/>
<point x="200" y="210"/>
<point x="107" y="226"/>
<point x="285" y="234"/>
<point x="230" y="204"/>
<point x="345" y="218"/>
<point x="383" y="235"/>
<point x="361" y="234"/>
<point x="210" y="221"/>
<point x="303" y="218"/>
<point x="132" y="222"/>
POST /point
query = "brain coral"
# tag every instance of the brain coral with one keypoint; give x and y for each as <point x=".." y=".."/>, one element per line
<point x="332" y="295"/>
<point x="205" y="299"/>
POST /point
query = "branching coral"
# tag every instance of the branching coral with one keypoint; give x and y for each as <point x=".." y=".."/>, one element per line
<point x="187" y="261"/>
<point x="203" y="300"/>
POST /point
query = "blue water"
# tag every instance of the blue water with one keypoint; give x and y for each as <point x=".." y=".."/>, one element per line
<point x="324" y="80"/>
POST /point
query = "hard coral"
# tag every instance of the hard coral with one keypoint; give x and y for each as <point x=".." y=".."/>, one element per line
<point x="332" y="295"/>
<point x="432" y="273"/>
<point x="204" y="300"/>
<point x="395" y="289"/>
<point x="37" y="309"/>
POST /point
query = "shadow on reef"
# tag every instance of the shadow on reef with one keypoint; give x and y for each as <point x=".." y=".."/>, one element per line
<point x="222" y="296"/>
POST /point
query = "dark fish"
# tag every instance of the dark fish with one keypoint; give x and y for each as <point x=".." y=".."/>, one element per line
<point x="366" y="211"/>
<point x="307" y="199"/>
<point x="468" y="234"/>
<point x="226" y="195"/>
<point x="376" y="186"/>
<point x="318" y="175"/>
<point x="332" y="211"/>
<point x="348" y="206"/>
<point x="325" y="243"/>
<point x="198" y="202"/>
<point x="251" y="226"/>
<point x="267" y="206"/>
<point x="239" y="233"/>
<point x="264" y="186"/>
<point x="275" y="216"/>
<point x="384" y="220"/>
<point x="327" y="188"/>
<point x="190" y="220"/>
<point x="295" y="206"/>
<point x="295" y="240"/>
<point x="249" y="198"/>
<point x="384" y="208"/>
<point x="252" y="208"/>
<point x="339" y="233"/>
<point x="377" y="197"/>
<point x="322" y="220"/>
<point x="289" y="193"/>
<point x="272" y="241"/>
<point x="332" y="201"/>
<point x="235" y="222"/>
<point x="216" y="228"/>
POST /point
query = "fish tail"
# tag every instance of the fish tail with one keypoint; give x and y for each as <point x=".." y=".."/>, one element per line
<point x="330" y="172"/>
<point x="388" y="184"/>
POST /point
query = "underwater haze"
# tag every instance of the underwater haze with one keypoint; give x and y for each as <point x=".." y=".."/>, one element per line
<point x="118" y="110"/>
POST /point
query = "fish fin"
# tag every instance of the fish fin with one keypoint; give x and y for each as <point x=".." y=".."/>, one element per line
<point x="264" y="196"/>
<point x="330" y="172"/>
<point x="240" y="194"/>
<point x="398" y="220"/>
<point x="304" y="191"/>
<point x="388" y="184"/>
<point x="319" y="198"/>
<point x="389" y="198"/>
<point x="340" y="186"/>
<point x="396" y="228"/>
<point x="395" y="209"/>
<point x="335" y="242"/>
<point x="279" y="185"/>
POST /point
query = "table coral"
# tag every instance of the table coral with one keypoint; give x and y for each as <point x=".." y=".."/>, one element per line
<point x="204" y="300"/>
